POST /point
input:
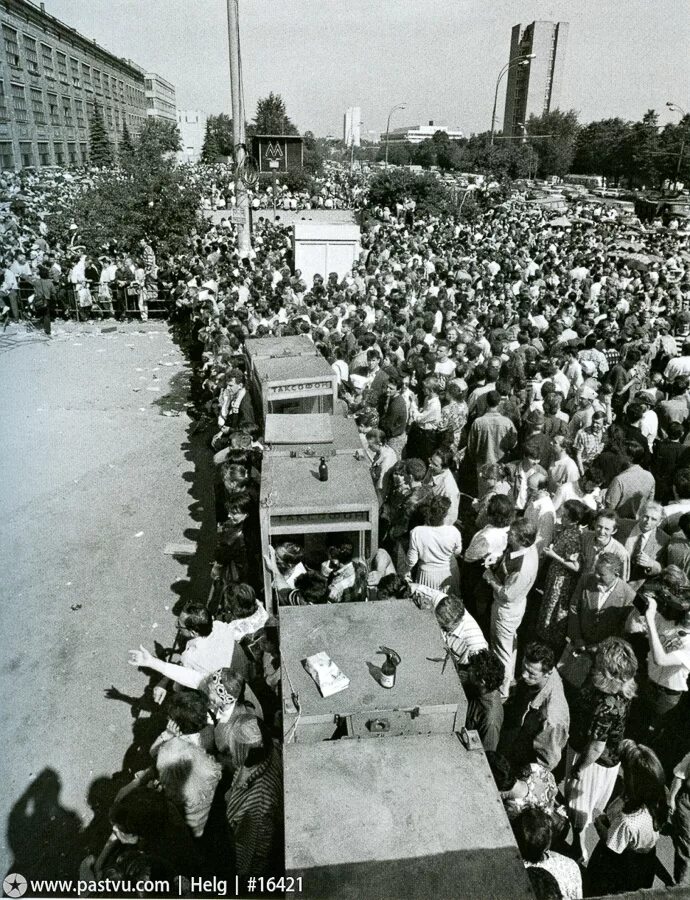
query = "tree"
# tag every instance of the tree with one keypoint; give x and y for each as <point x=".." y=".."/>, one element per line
<point x="271" y="117"/>
<point x="602" y="148"/>
<point x="100" y="148"/>
<point x="502" y="159"/>
<point x="557" y="148"/>
<point x="148" y="195"/>
<point x="157" y="138"/>
<point x="424" y="154"/>
<point x="399" y="153"/>
<point x="218" y="138"/>
<point x="210" y="150"/>
<point x="449" y="155"/>
<point x="126" y="147"/>
<point x="644" y="145"/>
<point x="313" y="154"/>
<point x="394" y="185"/>
<point x="674" y="143"/>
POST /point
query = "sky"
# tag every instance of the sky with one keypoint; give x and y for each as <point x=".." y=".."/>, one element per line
<point x="439" y="57"/>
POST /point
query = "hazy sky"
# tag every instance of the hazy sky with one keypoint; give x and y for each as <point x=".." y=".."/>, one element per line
<point x="441" y="57"/>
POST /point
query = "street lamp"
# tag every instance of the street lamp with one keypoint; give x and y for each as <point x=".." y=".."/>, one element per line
<point x="388" y="125"/>
<point x="511" y="64"/>
<point x="674" y="107"/>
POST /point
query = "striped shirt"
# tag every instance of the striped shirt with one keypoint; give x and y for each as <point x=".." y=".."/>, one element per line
<point x="254" y="810"/>
<point x="465" y="639"/>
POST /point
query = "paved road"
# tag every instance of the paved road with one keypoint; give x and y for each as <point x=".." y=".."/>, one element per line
<point x="97" y="480"/>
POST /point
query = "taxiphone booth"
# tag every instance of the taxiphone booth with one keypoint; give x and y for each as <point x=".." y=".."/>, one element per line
<point x="382" y="799"/>
<point x="315" y="435"/>
<point x="294" y="505"/>
<point x="288" y="375"/>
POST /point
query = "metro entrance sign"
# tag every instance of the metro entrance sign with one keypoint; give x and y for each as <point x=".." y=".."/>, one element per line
<point x="276" y="153"/>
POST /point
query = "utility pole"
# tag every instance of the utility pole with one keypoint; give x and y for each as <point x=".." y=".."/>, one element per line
<point x="238" y="129"/>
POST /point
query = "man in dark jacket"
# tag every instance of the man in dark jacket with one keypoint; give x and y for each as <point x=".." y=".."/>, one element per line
<point x="393" y="414"/>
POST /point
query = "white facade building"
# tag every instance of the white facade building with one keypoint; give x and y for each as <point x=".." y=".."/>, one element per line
<point x="415" y="134"/>
<point x="192" y="126"/>
<point x="160" y="97"/>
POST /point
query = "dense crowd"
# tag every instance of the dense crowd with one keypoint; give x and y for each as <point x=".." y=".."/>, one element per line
<point x="333" y="188"/>
<point x="46" y="278"/>
<point x="522" y="391"/>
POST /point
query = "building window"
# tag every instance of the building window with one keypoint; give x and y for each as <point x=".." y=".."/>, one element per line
<point x="72" y="154"/>
<point x="19" y="103"/>
<point x="27" y="153"/>
<point x="44" y="154"/>
<point x="74" y="68"/>
<point x="47" y="59"/>
<point x="11" y="46"/>
<point x="80" y="113"/>
<point x="31" y="55"/>
<point x="121" y="85"/>
<point x="97" y="81"/>
<point x="3" y="103"/>
<point x="86" y="75"/>
<point x="37" y="107"/>
<point x="67" y="110"/>
<point x="53" y="109"/>
<point x="62" y="67"/>
<point x="6" y="155"/>
<point x="59" y="154"/>
<point x="149" y="84"/>
<point x="90" y="109"/>
<point x="84" y="151"/>
<point x="106" y="84"/>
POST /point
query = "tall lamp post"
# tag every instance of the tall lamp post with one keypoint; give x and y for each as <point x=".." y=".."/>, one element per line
<point x="388" y="125"/>
<point x="679" y="109"/>
<point x="511" y="64"/>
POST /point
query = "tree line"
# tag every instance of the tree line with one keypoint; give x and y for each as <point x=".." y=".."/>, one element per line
<point x="634" y="154"/>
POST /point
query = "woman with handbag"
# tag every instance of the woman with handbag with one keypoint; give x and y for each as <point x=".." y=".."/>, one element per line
<point x="598" y="714"/>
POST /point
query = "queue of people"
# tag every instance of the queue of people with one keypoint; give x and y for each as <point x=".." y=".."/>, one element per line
<point x="514" y="385"/>
<point x="522" y="391"/>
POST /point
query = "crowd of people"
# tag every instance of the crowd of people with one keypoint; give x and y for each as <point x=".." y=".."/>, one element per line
<point x="333" y="188"/>
<point x="522" y="391"/>
<point x="45" y="279"/>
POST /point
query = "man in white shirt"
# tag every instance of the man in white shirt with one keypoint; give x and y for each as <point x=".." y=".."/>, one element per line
<point x="513" y="580"/>
<point x="461" y="634"/>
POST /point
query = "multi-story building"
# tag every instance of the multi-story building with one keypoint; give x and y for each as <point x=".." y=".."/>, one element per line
<point x="415" y="134"/>
<point x="534" y="89"/>
<point x="192" y="126"/>
<point x="352" y="126"/>
<point x="160" y="98"/>
<point x="51" y="80"/>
